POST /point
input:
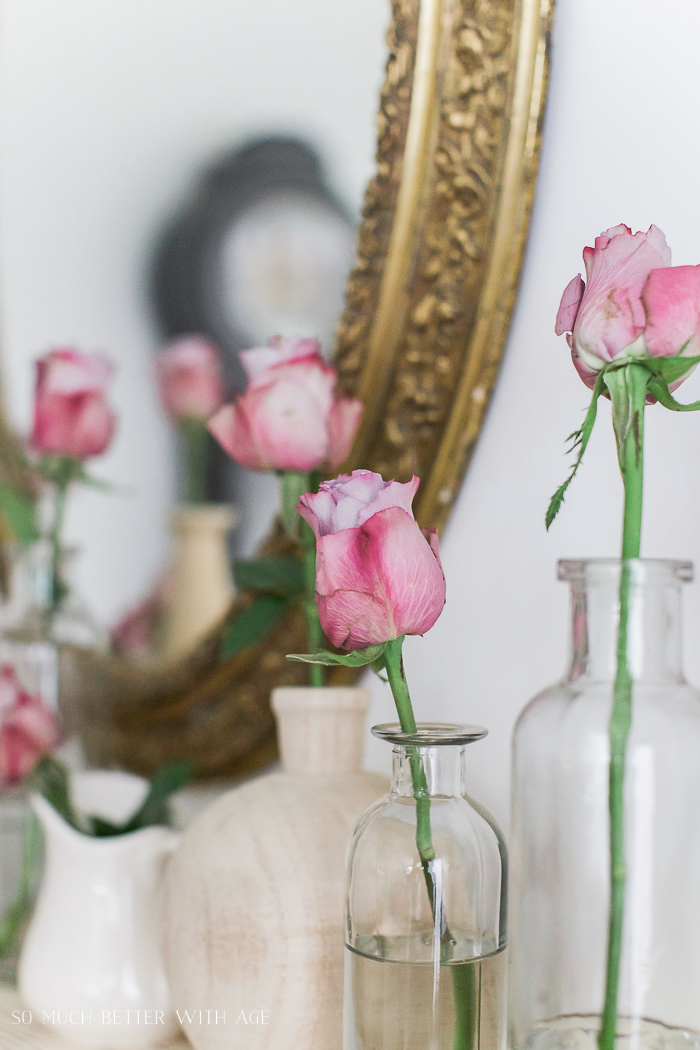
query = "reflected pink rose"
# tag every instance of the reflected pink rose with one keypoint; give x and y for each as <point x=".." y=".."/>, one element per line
<point x="290" y="417"/>
<point x="189" y="378"/>
<point x="28" y="729"/>
<point x="378" y="574"/>
<point x="634" y="303"/>
<point x="135" y="635"/>
<point x="72" y="416"/>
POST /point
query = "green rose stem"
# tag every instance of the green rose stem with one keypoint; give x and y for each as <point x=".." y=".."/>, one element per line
<point x="294" y="485"/>
<point x="57" y="587"/>
<point x="313" y="624"/>
<point x="463" y="977"/>
<point x="15" y="918"/>
<point x="630" y="452"/>
<point x="194" y="439"/>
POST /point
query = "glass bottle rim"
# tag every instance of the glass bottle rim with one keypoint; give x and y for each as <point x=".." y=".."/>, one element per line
<point x="580" y="569"/>
<point x="430" y="734"/>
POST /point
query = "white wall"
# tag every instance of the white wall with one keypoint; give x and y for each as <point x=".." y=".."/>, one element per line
<point x="107" y="110"/>
<point x="621" y="144"/>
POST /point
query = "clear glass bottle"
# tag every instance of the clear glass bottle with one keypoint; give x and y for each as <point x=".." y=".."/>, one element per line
<point x="424" y="969"/>
<point x="560" y="827"/>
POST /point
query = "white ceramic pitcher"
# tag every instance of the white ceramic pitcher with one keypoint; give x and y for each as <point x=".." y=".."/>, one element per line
<point x="91" y="963"/>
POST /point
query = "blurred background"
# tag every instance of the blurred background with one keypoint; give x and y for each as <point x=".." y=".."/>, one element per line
<point x="109" y="112"/>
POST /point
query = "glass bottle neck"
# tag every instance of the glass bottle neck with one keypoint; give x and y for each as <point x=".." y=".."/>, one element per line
<point x="653" y="618"/>
<point x="444" y="767"/>
<point x="40" y="577"/>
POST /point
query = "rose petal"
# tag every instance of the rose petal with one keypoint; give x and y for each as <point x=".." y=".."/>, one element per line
<point x="568" y="307"/>
<point x="189" y="378"/>
<point x="611" y="315"/>
<point x="279" y="350"/>
<point x="342" y="423"/>
<point x="410" y="568"/>
<point x="289" y="349"/>
<point x="69" y="371"/>
<point x="378" y="581"/>
<point x="671" y="300"/>
<point x="257" y="360"/>
<point x="350" y="499"/>
<point x="72" y="416"/>
<point x="588" y="375"/>
<point x="351" y="598"/>
<point x="287" y="418"/>
<point x="230" y="428"/>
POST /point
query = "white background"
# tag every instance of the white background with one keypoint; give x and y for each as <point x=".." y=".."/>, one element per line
<point x="105" y="111"/>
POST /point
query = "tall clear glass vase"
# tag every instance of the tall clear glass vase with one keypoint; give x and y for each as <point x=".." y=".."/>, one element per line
<point x="425" y="940"/>
<point x="560" y="827"/>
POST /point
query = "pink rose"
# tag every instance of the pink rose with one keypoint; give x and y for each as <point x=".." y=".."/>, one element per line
<point x="289" y="417"/>
<point x="378" y="574"/>
<point x="72" y="416"/>
<point x="189" y="378"/>
<point x="28" y="729"/>
<point x="635" y="303"/>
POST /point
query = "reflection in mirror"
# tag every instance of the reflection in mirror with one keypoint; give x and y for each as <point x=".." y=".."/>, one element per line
<point x="109" y="114"/>
<point x="262" y="246"/>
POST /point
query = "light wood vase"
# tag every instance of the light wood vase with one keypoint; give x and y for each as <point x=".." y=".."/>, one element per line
<point x="202" y="588"/>
<point x="255" y="891"/>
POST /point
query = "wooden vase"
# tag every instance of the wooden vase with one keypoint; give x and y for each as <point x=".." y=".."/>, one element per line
<point x="202" y="588"/>
<point x="255" y="891"/>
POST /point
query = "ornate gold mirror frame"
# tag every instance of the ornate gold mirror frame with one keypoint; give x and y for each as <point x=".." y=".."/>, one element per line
<point x="428" y="307"/>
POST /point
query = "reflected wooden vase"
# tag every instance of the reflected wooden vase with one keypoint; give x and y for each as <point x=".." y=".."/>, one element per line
<point x="254" y="912"/>
<point x="202" y="587"/>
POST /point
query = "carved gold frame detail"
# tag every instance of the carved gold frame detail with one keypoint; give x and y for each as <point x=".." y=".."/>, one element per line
<point x="427" y="312"/>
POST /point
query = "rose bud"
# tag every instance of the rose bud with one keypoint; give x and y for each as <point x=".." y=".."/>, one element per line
<point x="28" y="729"/>
<point x="72" y="416"/>
<point x="189" y="377"/>
<point x="378" y="574"/>
<point x="635" y="303"/>
<point x="289" y="418"/>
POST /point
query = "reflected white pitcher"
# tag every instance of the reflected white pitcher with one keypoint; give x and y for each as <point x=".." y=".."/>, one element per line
<point x="91" y="964"/>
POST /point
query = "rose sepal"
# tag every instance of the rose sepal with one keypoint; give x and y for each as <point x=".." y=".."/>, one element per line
<point x="663" y="395"/>
<point x="64" y="470"/>
<point x="620" y="377"/>
<point x="370" y="656"/>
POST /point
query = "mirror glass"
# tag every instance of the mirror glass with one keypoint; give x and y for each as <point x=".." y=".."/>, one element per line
<point x="109" y="114"/>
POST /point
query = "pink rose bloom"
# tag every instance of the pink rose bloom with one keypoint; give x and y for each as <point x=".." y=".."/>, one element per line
<point x="378" y="574"/>
<point x="189" y="378"/>
<point x="28" y="729"/>
<point x="289" y="417"/>
<point x="635" y="303"/>
<point x="72" y="416"/>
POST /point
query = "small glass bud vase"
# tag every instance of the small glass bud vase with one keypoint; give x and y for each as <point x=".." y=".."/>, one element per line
<point x="425" y="938"/>
<point x="560" y="845"/>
